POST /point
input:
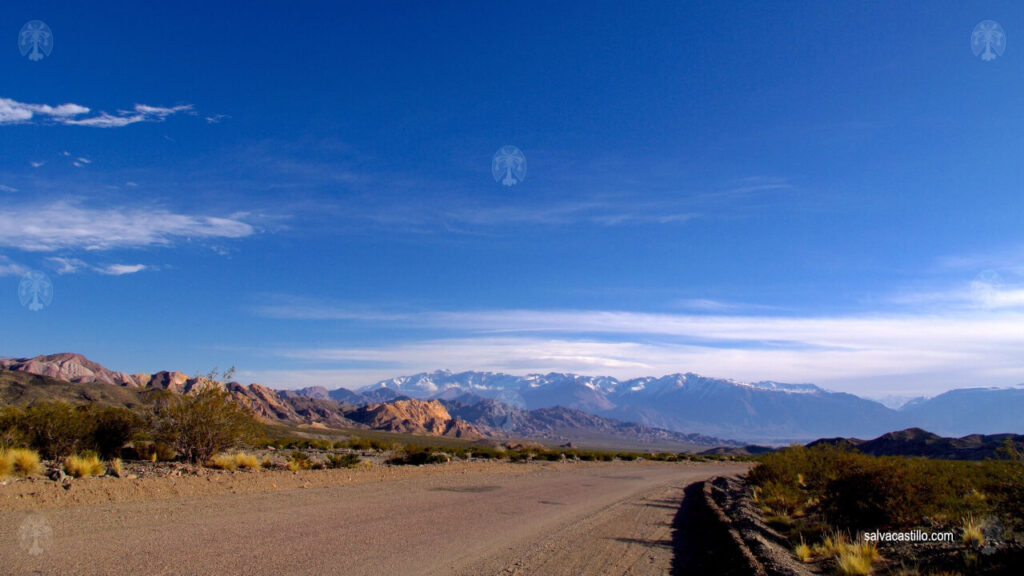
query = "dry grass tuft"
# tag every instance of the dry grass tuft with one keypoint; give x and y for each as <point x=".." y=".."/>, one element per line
<point x="24" y="462"/>
<point x="972" y="535"/>
<point x="803" y="552"/>
<point x="116" y="468"/>
<point x="856" y="559"/>
<point x="85" y="464"/>
<point x="6" y="464"/>
<point x="235" y="461"/>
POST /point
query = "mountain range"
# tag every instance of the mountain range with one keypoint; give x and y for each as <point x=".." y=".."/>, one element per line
<point x="758" y="412"/>
<point x="674" y="409"/>
<point x="74" y="378"/>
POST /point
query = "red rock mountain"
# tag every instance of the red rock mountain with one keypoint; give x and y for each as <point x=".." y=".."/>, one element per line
<point x="269" y="405"/>
<point x="415" y="417"/>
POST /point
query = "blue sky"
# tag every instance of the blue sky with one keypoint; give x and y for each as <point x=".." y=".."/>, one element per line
<point x="805" y="192"/>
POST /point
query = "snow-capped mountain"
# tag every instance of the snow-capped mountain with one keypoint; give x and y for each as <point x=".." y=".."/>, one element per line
<point x="680" y="402"/>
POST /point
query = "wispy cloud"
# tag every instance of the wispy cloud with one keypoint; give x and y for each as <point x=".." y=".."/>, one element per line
<point x="68" y="225"/>
<point x="14" y="112"/>
<point x="75" y="266"/>
<point x="7" y="188"/>
<point x="916" y="351"/>
<point x="9" y="268"/>
<point x="122" y="269"/>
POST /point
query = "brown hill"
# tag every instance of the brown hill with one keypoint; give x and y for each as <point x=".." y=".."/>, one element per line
<point x="69" y="368"/>
<point x="416" y="417"/>
<point x="74" y="378"/>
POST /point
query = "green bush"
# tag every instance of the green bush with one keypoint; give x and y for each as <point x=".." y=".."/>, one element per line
<point x="199" y="426"/>
<point x="418" y="456"/>
<point x="343" y="460"/>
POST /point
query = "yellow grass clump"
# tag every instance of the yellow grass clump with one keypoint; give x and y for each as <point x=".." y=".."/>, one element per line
<point x="117" y="467"/>
<point x="82" y="465"/>
<point x="972" y="535"/>
<point x="803" y="552"/>
<point x="235" y="461"/>
<point x="6" y="464"/>
<point x="22" y="461"/>
<point x="857" y="559"/>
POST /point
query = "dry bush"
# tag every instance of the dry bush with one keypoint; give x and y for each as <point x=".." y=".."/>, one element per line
<point x="116" y="468"/>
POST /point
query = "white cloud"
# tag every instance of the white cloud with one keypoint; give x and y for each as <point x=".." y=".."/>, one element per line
<point x="9" y="268"/>
<point x="65" y="225"/>
<point x="14" y="112"/>
<point x="122" y="269"/>
<point x="37" y="164"/>
<point x="68" y="265"/>
<point x="7" y="189"/>
<point x="917" y="352"/>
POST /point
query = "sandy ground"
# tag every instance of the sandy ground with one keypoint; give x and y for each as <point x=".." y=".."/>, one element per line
<point x="461" y="518"/>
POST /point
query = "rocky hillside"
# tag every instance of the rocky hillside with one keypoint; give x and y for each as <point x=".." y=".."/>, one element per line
<point x="560" y="424"/>
<point x="918" y="442"/>
<point x="414" y="417"/>
<point x="74" y="378"/>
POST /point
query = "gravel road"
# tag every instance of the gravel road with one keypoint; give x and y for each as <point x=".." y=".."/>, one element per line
<point x="547" y="519"/>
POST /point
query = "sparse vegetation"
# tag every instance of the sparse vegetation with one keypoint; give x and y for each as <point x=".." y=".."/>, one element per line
<point x="83" y="465"/>
<point x="828" y="492"/>
<point x="116" y="468"/>
<point x="298" y="460"/>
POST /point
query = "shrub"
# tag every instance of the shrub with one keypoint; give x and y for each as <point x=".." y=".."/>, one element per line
<point x="24" y="461"/>
<point x="85" y="464"/>
<point x="153" y="451"/>
<point x="419" y="456"/>
<point x="12" y="428"/>
<point x="116" y="468"/>
<point x="856" y="560"/>
<point x="343" y="460"/>
<point x="299" y="461"/>
<point x="199" y="426"/>
<point x="57" y="429"/>
<point x="114" y="427"/>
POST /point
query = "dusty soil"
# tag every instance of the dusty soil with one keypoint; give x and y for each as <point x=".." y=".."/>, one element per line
<point x="461" y="518"/>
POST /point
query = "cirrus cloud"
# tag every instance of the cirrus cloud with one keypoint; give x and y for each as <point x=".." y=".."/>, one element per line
<point x="63" y="225"/>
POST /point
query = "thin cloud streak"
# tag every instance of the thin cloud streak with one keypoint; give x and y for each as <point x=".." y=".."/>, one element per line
<point x="66" y="225"/>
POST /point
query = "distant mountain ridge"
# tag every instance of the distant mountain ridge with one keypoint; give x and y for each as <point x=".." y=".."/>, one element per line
<point x="53" y="377"/>
<point x="664" y="409"/>
<point x="918" y="442"/>
<point x="763" y="411"/>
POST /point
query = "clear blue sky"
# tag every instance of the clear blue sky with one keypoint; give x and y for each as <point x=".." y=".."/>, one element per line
<point x="828" y="192"/>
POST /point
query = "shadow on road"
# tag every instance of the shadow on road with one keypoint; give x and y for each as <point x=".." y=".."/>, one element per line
<point x="701" y="544"/>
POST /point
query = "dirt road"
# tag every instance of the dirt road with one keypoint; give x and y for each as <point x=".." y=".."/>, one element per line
<point x="554" y="519"/>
